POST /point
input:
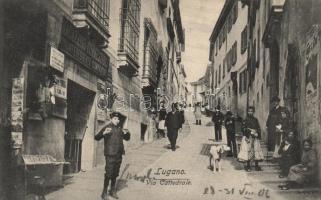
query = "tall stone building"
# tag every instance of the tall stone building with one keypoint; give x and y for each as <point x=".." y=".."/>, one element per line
<point x="283" y="46"/>
<point x="228" y="54"/>
<point x="65" y="64"/>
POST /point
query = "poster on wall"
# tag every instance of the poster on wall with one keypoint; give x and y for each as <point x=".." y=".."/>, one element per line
<point x="101" y="101"/>
<point x="17" y="112"/>
<point x="61" y="87"/>
<point x="311" y="80"/>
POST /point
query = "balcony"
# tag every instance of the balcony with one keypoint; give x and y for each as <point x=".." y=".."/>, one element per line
<point x="272" y="28"/>
<point x="149" y="77"/>
<point x="90" y="13"/>
<point x="277" y="5"/>
<point x="127" y="58"/>
<point x="163" y="3"/>
<point x="129" y="38"/>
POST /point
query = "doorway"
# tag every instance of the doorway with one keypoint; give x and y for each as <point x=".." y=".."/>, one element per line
<point x="274" y="70"/>
<point x="291" y="85"/>
<point x="143" y="129"/>
<point x="79" y="103"/>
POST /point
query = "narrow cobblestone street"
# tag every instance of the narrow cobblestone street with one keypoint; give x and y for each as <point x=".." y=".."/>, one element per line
<point x="188" y="162"/>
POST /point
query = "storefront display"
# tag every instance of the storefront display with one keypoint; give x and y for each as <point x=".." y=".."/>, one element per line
<point x="17" y="112"/>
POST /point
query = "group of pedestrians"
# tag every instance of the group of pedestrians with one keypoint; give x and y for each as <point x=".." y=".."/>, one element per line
<point x="250" y="149"/>
<point x="299" y="170"/>
<point x="282" y="140"/>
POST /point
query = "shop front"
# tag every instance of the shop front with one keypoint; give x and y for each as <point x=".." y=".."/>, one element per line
<point x="61" y="96"/>
<point x="87" y="74"/>
<point x="51" y="77"/>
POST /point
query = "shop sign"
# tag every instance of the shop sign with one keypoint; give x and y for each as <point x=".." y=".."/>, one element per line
<point x="16" y="112"/>
<point x="61" y="88"/>
<point x="57" y="59"/>
<point x="83" y="50"/>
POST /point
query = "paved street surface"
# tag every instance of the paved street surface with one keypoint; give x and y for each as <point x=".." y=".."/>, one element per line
<point x="154" y="172"/>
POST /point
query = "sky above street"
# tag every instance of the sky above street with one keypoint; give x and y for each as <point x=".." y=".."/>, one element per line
<point x="198" y="18"/>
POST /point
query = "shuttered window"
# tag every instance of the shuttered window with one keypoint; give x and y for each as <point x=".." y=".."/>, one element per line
<point x="244" y="40"/>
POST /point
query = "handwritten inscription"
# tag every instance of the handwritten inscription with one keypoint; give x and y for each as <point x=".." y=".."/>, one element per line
<point x="244" y="192"/>
<point x="160" y="176"/>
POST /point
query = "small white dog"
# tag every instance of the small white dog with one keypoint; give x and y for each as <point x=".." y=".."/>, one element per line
<point x="216" y="153"/>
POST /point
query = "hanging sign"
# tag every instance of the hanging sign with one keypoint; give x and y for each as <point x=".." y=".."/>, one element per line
<point x="57" y="59"/>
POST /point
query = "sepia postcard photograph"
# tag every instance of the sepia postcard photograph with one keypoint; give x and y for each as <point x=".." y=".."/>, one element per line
<point x="160" y="99"/>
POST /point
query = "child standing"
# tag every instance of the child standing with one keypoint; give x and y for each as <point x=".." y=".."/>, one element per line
<point x="250" y="147"/>
<point x="114" y="149"/>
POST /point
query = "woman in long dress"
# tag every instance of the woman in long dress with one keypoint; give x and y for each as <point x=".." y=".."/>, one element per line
<point x="161" y="120"/>
<point x="250" y="147"/>
<point x="305" y="172"/>
<point x="198" y="113"/>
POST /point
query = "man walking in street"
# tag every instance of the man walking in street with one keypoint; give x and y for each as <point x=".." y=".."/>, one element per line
<point x="173" y="124"/>
<point x="114" y="149"/>
<point x="230" y="133"/>
<point x="217" y="118"/>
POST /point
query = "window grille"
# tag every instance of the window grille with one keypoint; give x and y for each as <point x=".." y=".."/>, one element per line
<point x="150" y="50"/>
<point x="129" y="20"/>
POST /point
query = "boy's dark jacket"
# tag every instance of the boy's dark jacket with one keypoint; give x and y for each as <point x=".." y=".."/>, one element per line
<point x="114" y="140"/>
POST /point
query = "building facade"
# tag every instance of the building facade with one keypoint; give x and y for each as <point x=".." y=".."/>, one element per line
<point x="228" y="54"/>
<point x="292" y="37"/>
<point x="198" y="89"/>
<point x="277" y="55"/>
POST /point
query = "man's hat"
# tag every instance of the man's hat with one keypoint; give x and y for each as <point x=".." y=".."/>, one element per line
<point x="275" y="99"/>
<point x="251" y="107"/>
<point x="115" y="114"/>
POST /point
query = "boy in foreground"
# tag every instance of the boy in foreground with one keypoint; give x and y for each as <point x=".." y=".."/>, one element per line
<point x="114" y="149"/>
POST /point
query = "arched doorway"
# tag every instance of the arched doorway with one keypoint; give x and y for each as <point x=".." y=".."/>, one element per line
<point x="291" y="84"/>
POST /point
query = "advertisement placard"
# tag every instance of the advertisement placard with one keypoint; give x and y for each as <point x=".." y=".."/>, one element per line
<point x="16" y="112"/>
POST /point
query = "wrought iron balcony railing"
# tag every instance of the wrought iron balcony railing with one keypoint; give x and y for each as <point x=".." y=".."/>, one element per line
<point x="94" y="10"/>
<point x="126" y="46"/>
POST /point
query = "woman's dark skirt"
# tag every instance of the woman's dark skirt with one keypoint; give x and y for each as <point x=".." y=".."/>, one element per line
<point x="113" y="165"/>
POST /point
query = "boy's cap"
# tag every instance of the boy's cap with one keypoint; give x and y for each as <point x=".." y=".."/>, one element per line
<point x="114" y="114"/>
